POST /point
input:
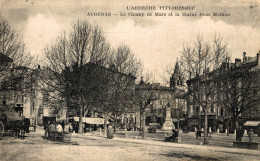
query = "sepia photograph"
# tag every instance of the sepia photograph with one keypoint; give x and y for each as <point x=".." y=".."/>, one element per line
<point x="129" y="80"/>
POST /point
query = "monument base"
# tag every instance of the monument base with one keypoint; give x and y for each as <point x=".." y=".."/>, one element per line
<point x="168" y="125"/>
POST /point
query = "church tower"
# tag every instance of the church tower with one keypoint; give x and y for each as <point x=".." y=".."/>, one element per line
<point x="176" y="81"/>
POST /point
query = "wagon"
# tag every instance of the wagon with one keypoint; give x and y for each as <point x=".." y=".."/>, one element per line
<point x="13" y="124"/>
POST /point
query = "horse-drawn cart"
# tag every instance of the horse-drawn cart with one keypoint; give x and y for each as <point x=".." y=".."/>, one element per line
<point x="12" y="123"/>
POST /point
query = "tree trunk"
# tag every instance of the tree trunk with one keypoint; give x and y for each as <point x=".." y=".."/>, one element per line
<point x="141" y="113"/>
<point x="205" y="127"/>
<point x="105" y="124"/>
<point x="233" y="124"/>
<point x="237" y="128"/>
<point x="80" y="119"/>
<point x="227" y="127"/>
<point x="236" y="122"/>
<point x="115" y="122"/>
<point x="143" y="124"/>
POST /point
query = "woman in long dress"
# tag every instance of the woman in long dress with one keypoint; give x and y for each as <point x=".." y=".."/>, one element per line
<point x="110" y="132"/>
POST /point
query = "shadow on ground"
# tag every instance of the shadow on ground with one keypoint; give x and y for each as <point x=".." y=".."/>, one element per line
<point x="191" y="157"/>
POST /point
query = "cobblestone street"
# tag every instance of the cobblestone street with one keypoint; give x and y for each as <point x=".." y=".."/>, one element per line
<point x="92" y="146"/>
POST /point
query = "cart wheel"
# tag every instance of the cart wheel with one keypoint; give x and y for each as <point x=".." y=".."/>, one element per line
<point x="1" y="129"/>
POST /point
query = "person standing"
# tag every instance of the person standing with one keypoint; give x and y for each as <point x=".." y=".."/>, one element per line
<point x="174" y="134"/>
<point x="110" y="132"/>
<point x="46" y="128"/>
<point x="250" y="135"/>
<point x="239" y="134"/>
<point x="59" y="128"/>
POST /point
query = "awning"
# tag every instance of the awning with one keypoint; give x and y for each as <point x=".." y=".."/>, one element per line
<point x="91" y="120"/>
<point x="13" y="116"/>
<point x="252" y="123"/>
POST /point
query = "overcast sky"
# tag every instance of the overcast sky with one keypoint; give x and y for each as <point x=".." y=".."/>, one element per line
<point x="156" y="40"/>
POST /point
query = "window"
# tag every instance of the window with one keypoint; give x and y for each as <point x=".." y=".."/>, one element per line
<point x="197" y="110"/>
<point x="221" y="112"/>
<point x="212" y="109"/>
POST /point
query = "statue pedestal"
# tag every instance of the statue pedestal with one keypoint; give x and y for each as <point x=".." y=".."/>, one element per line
<point x="168" y="125"/>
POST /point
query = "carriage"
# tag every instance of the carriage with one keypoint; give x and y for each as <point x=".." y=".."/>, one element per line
<point x="13" y="124"/>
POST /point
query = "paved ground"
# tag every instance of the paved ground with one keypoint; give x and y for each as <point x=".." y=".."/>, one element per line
<point x="91" y="146"/>
<point x="217" y="139"/>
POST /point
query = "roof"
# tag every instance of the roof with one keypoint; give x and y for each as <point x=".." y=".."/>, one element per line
<point x="91" y="120"/>
<point x="177" y="68"/>
<point x="4" y="58"/>
<point x="252" y="123"/>
<point x="110" y="69"/>
<point x="22" y="68"/>
<point x="13" y="116"/>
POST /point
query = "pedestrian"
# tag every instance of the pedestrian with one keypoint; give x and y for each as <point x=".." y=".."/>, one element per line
<point x="59" y="128"/>
<point x="174" y="134"/>
<point x="66" y="127"/>
<point x="110" y="132"/>
<point x="46" y="128"/>
<point x="70" y="127"/>
<point x="250" y="135"/>
<point x="239" y="134"/>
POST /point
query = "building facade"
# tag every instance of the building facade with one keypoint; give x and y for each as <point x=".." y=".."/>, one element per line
<point x="23" y="91"/>
<point x="234" y="96"/>
<point x="105" y="91"/>
<point x="163" y="97"/>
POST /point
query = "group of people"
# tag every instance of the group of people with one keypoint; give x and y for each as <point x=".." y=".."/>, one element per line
<point x="54" y="127"/>
<point x="240" y="134"/>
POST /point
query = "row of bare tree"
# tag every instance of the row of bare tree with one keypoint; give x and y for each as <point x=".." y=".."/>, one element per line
<point x="68" y="78"/>
<point x="88" y="73"/>
<point x="214" y="81"/>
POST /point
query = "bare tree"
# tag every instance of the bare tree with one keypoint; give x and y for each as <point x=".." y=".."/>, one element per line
<point x="125" y="68"/>
<point x="68" y="59"/>
<point x="240" y="90"/>
<point x="197" y="64"/>
<point x="143" y="97"/>
<point x="14" y="59"/>
<point x="14" y="65"/>
<point x="168" y="71"/>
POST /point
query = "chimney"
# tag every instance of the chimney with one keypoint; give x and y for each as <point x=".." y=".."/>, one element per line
<point x="237" y="62"/>
<point x="39" y="67"/>
<point x="258" y="58"/>
<point x="244" y="57"/>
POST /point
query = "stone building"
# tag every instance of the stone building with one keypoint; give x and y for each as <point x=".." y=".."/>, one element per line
<point x="23" y="90"/>
<point x="47" y="102"/>
<point x="16" y="89"/>
<point x="229" y="83"/>
<point x="163" y="97"/>
<point x="106" y="90"/>
<point x="13" y="87"/>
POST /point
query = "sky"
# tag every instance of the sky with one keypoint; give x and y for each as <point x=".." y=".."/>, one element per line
<point x="156" y="40"/>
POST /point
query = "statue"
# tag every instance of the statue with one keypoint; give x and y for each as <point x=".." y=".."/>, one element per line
<point x="168" y="125"/>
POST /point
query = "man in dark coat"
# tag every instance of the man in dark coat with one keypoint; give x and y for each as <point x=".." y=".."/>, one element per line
<point x="239" y="134"/>
<point x="46" y="128"/>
